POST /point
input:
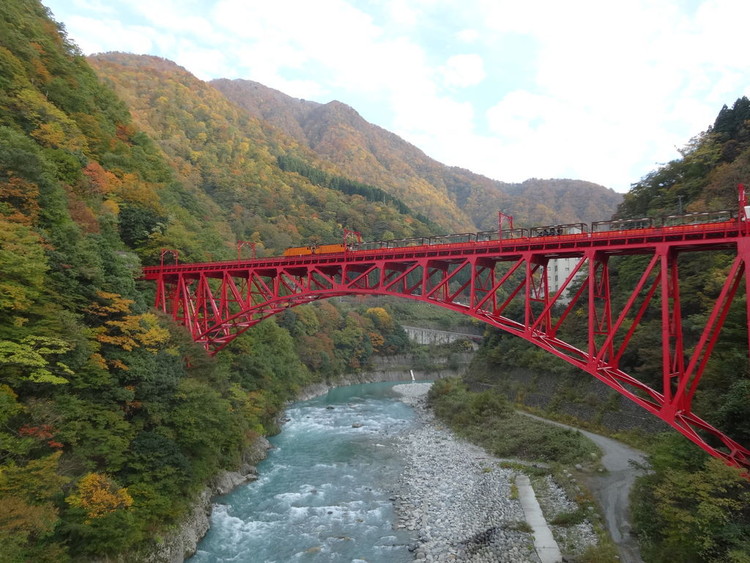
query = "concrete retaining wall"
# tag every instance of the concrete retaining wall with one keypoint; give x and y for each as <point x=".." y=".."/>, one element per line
<point x="433" y="337"/>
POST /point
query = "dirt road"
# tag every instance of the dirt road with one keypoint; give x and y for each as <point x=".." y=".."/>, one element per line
<point x="612" y="489"/>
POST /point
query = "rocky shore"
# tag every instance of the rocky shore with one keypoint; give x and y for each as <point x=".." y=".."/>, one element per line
<point x="182" y="542"/>
<point x="464" y="506"/>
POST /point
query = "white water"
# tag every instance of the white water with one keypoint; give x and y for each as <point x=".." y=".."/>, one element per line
<point x="323" y="491"/>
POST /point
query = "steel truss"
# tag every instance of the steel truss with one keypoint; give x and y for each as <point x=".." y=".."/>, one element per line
<point x="505" y="284"/>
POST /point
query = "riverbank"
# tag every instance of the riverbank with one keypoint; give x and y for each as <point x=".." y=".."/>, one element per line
<point x="464" y="506"/>
<point x="183" y="541"/>
<point x="459" y="502"/>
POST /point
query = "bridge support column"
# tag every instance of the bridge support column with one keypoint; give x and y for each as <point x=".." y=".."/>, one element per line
<point x="537" y="294"/>
<point x="599" y="305"/>
<point x="673" y="360"/>
<point x="743" y="251"/>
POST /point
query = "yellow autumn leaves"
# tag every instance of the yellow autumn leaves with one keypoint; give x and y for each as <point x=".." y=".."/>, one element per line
<point x="126" y="330"/>
<point x="99" y="496"/>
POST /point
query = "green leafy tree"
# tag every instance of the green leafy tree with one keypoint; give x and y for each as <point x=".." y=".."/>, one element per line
<point x="691" y="508"/>
<point x="34" y="359"/>
<point x="29" y="512"/>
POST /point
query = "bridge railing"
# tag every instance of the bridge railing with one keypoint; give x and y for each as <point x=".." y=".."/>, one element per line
<point x="505" y="234"/>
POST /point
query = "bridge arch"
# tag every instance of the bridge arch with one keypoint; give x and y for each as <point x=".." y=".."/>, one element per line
<point x="505" y="284"/>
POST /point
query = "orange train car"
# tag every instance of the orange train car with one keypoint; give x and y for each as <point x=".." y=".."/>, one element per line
<point x="329" y="249"/>
<point x="298" y="251"/>
<point x="320" y="249"/>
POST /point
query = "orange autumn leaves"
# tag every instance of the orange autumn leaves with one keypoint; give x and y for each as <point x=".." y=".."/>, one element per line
<point x="123" y="329"/>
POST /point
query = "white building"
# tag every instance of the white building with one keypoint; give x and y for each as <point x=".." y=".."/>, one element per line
<point x="558" y="271"/>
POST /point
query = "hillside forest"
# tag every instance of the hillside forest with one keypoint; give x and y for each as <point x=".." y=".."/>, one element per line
<point x="111" y="419"/>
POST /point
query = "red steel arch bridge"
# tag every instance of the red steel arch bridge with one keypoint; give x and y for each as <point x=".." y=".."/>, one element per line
<point x="504" y="280"/>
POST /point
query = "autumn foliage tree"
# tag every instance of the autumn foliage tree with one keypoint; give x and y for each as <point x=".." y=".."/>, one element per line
<point x="99" y="496"/>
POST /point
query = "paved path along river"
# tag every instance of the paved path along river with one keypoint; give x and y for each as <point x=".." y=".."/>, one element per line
<point x="612" y="489"/>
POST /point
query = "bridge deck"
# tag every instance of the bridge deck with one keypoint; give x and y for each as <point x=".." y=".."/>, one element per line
<point x="708" y="236"/>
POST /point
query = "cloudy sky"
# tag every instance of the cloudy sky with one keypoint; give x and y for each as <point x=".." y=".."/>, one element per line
<point x="597" y="90"/>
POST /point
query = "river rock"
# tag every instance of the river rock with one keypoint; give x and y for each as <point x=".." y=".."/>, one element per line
<point x="457" y="498"/>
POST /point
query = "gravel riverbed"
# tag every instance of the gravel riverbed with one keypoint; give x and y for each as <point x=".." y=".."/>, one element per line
<point x="461" y="503"/>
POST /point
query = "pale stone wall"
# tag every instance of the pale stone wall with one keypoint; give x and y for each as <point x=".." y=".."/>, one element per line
<point x="434" y="337"/>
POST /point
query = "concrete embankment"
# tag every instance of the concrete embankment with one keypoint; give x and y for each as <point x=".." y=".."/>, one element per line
<point x="464" y="506"/>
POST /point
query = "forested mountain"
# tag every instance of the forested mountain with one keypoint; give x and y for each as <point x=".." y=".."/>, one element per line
<point x="453" y="196"/>
<point x="227" y="160"/>
<point x="111" y="420"/>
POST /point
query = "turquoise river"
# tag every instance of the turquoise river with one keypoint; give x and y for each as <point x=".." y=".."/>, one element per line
<point x="323" y="491"/>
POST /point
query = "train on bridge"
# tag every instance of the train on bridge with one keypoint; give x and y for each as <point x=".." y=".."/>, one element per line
<point x="546" y="233"/>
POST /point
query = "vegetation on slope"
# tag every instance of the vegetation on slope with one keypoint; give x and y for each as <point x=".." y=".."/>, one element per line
<point x="455" y="198"/>
<point x="350" y="187"/>
<point x="487" y="418"/>
<point x="691" y="508"/>
<point x="111" y="419"/>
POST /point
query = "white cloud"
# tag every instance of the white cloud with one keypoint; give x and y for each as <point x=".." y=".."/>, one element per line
<point x="463" y="70"/>
<point x="101" y="35"/>
<point x="403" y="12"/>
<point x="86" y="6"/>
<point x="583" y="89"/>
<point x="434" y="116"/>
<point x="325" y="27"/>
<point x="200" y="61"/>
<point x="519" y="113"/>
<point x="277" y="39"/>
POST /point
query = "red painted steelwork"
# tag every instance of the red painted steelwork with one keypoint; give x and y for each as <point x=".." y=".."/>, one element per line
<point x="505" y="284"/>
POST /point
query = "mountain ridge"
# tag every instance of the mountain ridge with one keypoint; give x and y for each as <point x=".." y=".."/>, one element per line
<point x="325" y="128"/>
